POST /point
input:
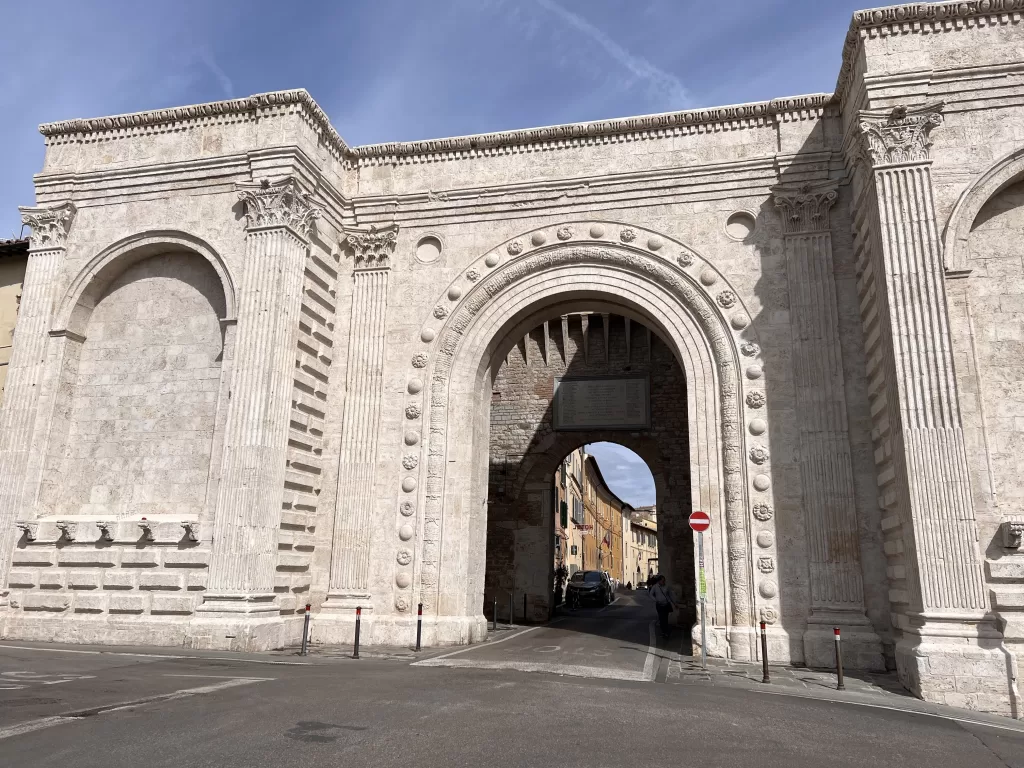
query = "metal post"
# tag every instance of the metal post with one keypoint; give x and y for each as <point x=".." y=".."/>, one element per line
<point x="703" y="604"/>
<point x="419" y="625"/>
<point x="839" y="661"/>
<point x="524" y="607"/>
<point x="494" y="615"/>
<point x="511" y="610"/>
<point x="359" y="616"/>
<point x="305" y="632"/>
<point x="764" y="655"/>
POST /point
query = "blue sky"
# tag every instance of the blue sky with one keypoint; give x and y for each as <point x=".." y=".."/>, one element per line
<point x="392" y="70"/>
<point x="626" y="473"/>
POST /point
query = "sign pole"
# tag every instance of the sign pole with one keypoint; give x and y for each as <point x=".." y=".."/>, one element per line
<point x="703" y="604"/>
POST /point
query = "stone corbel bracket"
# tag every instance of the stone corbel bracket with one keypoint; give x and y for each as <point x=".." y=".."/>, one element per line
<point x="29" y="530"/>
<point x="191" y="529"/>
<point x="1013" y="534"/>
<point x="68" y="529"/>
<point x="107" y="528"/>
<point x="147" y="530"/>
<point x="371" y="248"/>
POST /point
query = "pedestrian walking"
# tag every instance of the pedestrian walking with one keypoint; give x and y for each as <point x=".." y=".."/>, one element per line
<point x="664" y="603"/>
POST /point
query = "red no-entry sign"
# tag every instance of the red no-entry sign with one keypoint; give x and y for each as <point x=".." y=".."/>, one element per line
<point x="700" y="521"/>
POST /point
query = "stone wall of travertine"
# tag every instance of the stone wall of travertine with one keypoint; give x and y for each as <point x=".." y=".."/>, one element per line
<point x="809" y="260"/>
<point x="12" y="273"/>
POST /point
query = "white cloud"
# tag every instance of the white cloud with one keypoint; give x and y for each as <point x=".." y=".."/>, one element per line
<point x="626" y="473"/>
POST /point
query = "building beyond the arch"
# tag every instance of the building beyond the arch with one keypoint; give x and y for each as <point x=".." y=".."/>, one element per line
<point x="252" y="366"/>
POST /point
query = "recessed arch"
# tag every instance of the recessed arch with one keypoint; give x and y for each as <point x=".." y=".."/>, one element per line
<point x="697" y="315"/>
<point x="92" y="280"/>
<point x="956" y="236"/>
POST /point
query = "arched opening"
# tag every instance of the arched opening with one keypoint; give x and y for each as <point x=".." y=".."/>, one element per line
<point x="497" y="302"/>
<point x="575" y="379"/>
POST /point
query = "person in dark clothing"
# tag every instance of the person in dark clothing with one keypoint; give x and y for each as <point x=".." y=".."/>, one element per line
<point x="664" y="603"/>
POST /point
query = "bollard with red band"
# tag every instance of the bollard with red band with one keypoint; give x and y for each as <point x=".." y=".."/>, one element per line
<point x="839" y="661"/>
<point x="764" y="655"/>
<point x="305" y="632"/>
<point x="359" y="616"/>
<point x="419" y="625"/>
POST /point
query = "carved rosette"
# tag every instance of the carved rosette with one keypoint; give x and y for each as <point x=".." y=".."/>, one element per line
<point x="901" y="135"/>
<point x="372" y="248"/>
<point x="805" y="208"/>
<point x="50" y="226"/>
<point x="278" y="204"/>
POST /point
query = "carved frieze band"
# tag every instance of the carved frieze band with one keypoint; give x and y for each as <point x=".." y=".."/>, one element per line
<point x="278" y="204"/>
<point x="900" y="135"/>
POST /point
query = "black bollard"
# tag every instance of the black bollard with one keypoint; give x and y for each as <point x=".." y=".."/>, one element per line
<point x="524" y="607"/>
<point x="359" y="616"/>
<point x="419" y="625"/>
<point x="305" y="632"/>
<point x="839" y="661"/>
<point x="511" y="610"/>
<point x="494" y="615"/>
<point x="764" y="655"/>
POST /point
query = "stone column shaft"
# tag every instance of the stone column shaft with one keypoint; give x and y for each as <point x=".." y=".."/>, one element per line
<point x="50" y="227"/>
<point x="248" y="509"/>
<point x="350" y="559"/>
<point x="944" y="568"/>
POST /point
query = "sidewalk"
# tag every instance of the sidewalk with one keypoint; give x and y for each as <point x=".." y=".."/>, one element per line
<point x="871" y="689"/>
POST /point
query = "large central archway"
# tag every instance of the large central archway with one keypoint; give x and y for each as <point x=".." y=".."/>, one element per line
<point x="633" y="273"/>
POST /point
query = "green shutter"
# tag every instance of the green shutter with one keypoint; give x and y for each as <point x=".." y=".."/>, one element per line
<point x="565" y="515"/>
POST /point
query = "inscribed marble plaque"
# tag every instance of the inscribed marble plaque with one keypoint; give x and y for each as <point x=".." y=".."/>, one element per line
<point x="602" y="402"/>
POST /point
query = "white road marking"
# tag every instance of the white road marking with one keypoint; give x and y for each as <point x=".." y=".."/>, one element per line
<point x="47" y="722"/>
<point x="428" y="662"/>
<point x="571" y="670"/>
<point x="226" y="677"/>
<point x="547" y="648"/>
<point x="652" y="647"/>
<point x="1016" y="727"/>
<point x="154" y="655"/>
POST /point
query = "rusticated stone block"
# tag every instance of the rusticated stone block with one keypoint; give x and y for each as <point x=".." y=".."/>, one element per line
<point x="88" y="558"/>
<point x="128" y="603"/>
<point x="161" y="580"/>
<point x="145" y="558"/>
<point x="43" y="601"/>
<point x="33" y="556"/>
<point x="84" y="579"/>
<point x="53" y="579"/>
<point x="187" y="558"/>
<point x="94" y="603"/>
<point x="173" y="604"/>
<point x="24" y="579"/>
<point x="196" y="580"/>
<point x="119" y="580"/>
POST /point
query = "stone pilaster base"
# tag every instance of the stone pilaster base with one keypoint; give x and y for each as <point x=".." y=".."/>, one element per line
<point x="974" y="672"/>
<point x="862" y="648"/>
<point x="241" y="622"/>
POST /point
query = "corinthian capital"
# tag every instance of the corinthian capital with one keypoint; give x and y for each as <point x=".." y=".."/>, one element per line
<point x="805" y="208"/>
<point x="278" y="204"/>
<point x="50" y="226"/>
<point x="900" y="135"/>
<point x="372" y="247"/>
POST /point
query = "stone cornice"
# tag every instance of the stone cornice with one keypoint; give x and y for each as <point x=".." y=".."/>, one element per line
<point x="742" y="115"/>
<point x="911" y="18"/>
<point x="231" y="107"/>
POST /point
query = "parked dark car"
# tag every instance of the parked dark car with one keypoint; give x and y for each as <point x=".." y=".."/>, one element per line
<point x="588" y="587"/>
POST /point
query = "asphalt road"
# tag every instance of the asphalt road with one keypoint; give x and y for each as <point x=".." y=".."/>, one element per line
<point x="64" y="709"/>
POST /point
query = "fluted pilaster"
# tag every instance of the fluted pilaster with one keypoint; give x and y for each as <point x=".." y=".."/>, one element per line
<point x="50" y="230"/>
<point x="350" y="557"/>
<point x="826" y="468"/>
<point x="248" y="511"/>
<point x="932" y="493"/>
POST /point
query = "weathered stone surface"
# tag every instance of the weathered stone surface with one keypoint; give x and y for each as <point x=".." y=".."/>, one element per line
<point x="216" y="389"/>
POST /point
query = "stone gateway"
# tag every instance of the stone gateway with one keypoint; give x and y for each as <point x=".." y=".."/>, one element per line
<point x="254" y="367"/>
